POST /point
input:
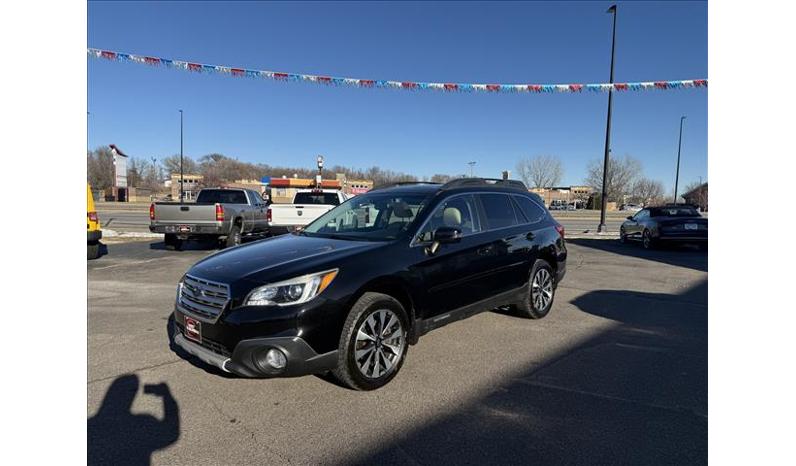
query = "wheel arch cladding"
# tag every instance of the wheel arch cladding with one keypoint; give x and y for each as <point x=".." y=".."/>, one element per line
<point x="390" y="286"/>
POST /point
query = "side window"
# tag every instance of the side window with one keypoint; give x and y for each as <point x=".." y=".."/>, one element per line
<point x="498" y="210"/>
<point x="533" y="213"/>
<point x="458" y="212"/>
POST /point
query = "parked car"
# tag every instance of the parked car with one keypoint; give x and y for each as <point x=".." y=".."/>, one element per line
<point x="665" y="224"/>
<point x="225" y="214"/>
<point x="351" y="291"/>
<point x="308" y="204"/>
<point x="92" y="226"/>
<point x="630" y="207"/>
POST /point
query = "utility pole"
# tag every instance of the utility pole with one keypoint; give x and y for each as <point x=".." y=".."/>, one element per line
<point x="182" y="184"/>
<point x="679" y="146"/>
<point x="603" y="197"/>
<point x="471" y="164"/>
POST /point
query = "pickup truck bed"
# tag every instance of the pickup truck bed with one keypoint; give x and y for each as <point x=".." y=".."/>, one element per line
<point x="306" y="207"/>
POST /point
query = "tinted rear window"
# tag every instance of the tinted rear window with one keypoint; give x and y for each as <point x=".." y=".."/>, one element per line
<point x="316" y="198"/>
<point x="499" y="211"/>
<point x="221" y="196"/>
<point x="533" y="213"/>
<point x="674" y="212"/>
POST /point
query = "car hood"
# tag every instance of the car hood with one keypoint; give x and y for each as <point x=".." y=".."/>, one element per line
<point x="278" y="258"/>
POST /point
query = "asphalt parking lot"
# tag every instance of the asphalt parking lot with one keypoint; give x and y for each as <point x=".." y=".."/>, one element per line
<point x="617" y="373"/>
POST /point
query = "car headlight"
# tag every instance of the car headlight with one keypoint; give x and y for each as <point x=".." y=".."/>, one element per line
<point x="294" y="291"/>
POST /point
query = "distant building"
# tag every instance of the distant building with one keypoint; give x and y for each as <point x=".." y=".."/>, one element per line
<point x="282" y="190"/>
<point x="193" y="183"/>
<point x="354" y="186"/>
<point x="254" y="185"/>
<point x="578" y="195"/>
<point x="698" y="197"/>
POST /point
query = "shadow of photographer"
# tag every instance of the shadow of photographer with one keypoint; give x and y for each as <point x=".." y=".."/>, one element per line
<point x="118" y="436"/>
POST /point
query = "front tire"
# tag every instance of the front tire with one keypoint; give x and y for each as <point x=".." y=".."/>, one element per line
<point x="539" y="299"/>
<point x="647" y="241"/>
<point x="622" y="235"/>
<point x="373" y="343"/>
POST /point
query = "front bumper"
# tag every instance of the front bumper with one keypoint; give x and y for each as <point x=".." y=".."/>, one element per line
<point x="248" y="357"/>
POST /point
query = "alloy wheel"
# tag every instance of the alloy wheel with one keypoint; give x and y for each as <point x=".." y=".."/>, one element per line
<point x="542" y="289"/>
<point x="380" y="342"/>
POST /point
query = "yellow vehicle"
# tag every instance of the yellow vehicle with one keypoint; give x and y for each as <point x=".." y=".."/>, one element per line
<point x="92" y="226"/>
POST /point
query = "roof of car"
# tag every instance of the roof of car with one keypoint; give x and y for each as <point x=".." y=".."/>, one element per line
<point x="478" y="184"/>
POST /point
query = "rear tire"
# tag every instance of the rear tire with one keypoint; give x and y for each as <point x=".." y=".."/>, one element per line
<point x="172" y="242"/>
<point x="365" y="362"/>
<point x="93" y="251"/>
<point x="234" y="237"/>
<point x="541" y="293"/>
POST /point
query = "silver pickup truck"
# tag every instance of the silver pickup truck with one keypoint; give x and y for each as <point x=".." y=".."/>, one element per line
<point x="225" y="214"/>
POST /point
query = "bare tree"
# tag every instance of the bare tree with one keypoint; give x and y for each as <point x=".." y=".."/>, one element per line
<point x="440" y="178"/>
<point x="646" y="191"/>
<point x="543" y="171"/>
<point x="622" y="173"/>
<point x="700" y="193"/>
<point x="172" y="165"/>
<point x="100" y="168"/>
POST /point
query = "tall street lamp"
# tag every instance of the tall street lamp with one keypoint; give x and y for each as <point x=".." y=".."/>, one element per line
<point x="182" y="184"/>
<point x="601" y="226"/>
<point x="471" y="164"/>
<point x="679" y="146"/>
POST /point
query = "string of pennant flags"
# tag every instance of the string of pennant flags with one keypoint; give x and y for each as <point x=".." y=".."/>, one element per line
<point x="405" y="85"/>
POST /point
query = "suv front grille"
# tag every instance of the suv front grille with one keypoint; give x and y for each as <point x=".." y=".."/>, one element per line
<point x="203" y="298"/>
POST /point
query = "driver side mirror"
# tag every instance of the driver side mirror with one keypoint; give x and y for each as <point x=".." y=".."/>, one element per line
<point x="630" y="217"/>
<point x="444" y="235"/>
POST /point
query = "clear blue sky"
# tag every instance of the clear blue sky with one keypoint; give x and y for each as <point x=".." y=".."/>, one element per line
<point x="422" y="133"/>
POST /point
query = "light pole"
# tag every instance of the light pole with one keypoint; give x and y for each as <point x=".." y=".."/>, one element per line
<point x="679" y="146"/>
<point x="471" y="164"/>
<point x="182" y="184"/>
<point x="601" y="226"/>
<point x="319" y="178"/>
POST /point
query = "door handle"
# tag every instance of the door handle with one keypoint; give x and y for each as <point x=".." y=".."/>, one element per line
<point x="530" y="236"/>
<point x="485" y="250"/>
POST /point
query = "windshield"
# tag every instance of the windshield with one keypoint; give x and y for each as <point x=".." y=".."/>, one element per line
<point x="370" y="217"/>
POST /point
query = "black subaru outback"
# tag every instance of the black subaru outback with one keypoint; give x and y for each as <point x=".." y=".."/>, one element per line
<point x="350" y="292"/>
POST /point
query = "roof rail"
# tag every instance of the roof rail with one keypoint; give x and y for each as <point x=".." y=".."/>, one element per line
<point x="401" y="183"/>
<point x="488" y="182"/>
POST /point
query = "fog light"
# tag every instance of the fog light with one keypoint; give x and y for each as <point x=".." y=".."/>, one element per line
<point x="275" y="358"/>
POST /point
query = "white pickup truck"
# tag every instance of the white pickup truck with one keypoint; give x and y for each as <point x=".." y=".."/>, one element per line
<point x="308" y="204"/>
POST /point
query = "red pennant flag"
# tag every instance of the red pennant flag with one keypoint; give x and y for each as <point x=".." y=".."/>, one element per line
<point x="535" y="87"/>
<point x="324" y="79"/>
<point x="575" y="87"/>
<point x="367" y="82"/>
<point x="408" y="85"/>
<point x="108" y="55"/>
<point x="493" y="87"/>
<point x="280" y="75"/>
<point x="451" y="87"/>
<point x="237" y="72"/>
<point x="700" y="82"/>
<point x="620" y="86"/>
<point x="660" y="85"/>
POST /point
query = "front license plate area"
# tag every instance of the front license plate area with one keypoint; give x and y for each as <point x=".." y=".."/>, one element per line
<point x="193" y="330"/>
<point x="690" y="226"/>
